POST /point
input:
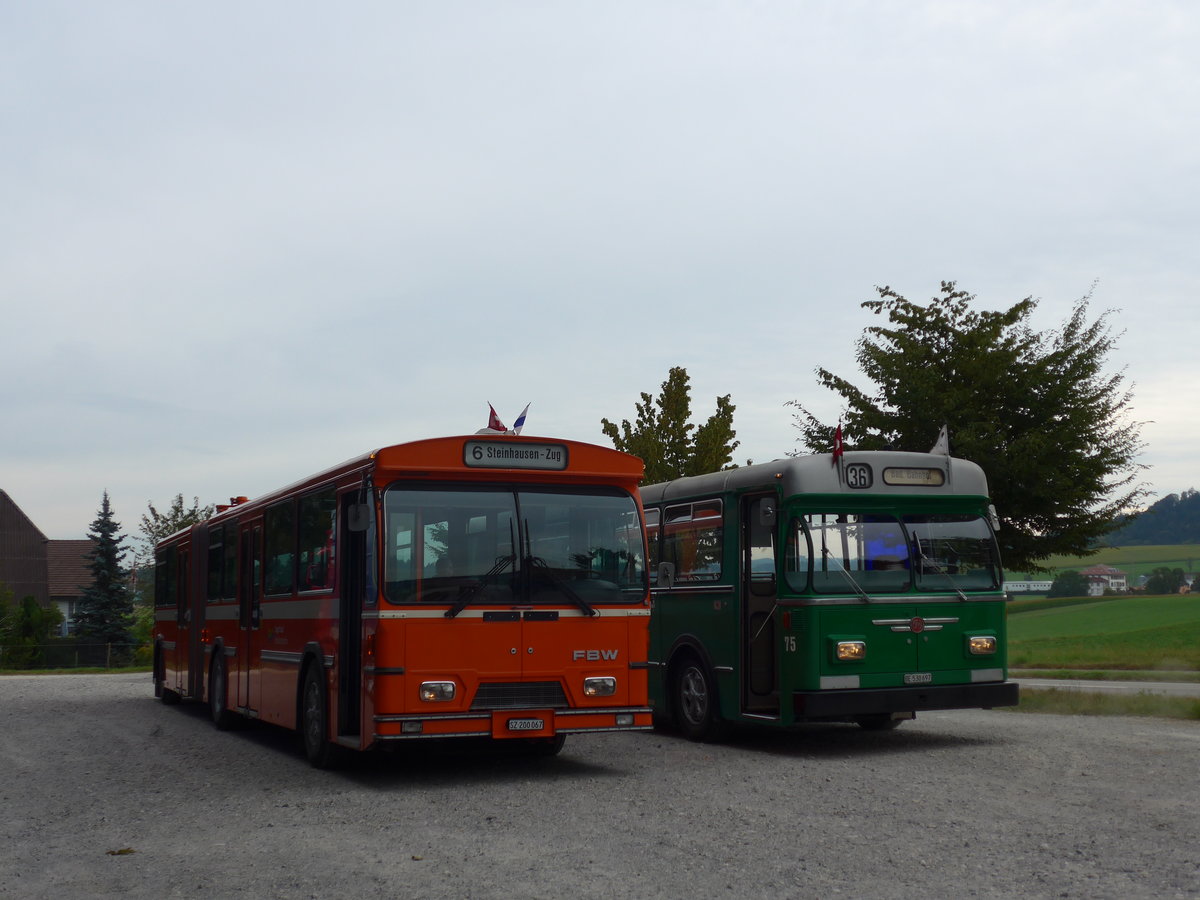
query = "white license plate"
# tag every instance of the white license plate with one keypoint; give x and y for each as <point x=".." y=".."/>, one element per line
<point x="526" y="724"/>
<point x="918" y="678"/>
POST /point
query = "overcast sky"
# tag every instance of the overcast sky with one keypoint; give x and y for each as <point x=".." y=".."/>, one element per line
<point x="241" y="242"/>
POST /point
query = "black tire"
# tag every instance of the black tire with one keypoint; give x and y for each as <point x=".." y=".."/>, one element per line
<point x="157" y="676"/>
<point x="314" y="719"/>
<point x="550" y="746"/>
<point x="218" y="693"/>
<point x="695" y="702"/>
<point x="878" y="722"/>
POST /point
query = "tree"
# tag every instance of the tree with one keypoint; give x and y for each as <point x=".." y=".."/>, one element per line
<point x="663" y="437"/>
<point x="1175" y="519"/>
<point x="1068" y="584"/>
<point x="25" y="628"/>
<point x="1164" y="580"/>
<point x="1036" y="411"/>
<point x="104" y="613"/>
<point x="155" y="526"/>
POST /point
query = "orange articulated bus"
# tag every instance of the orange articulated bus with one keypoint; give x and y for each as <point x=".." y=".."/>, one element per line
<point x="479" y="586"/>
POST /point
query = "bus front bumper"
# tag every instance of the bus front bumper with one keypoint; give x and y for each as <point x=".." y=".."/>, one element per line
<point x="838" y="703"/>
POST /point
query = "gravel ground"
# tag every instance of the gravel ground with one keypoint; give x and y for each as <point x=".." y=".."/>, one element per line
<point x="105" y="793"/>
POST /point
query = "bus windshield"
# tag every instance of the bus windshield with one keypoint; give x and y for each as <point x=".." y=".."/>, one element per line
<point x="469" y="546"/>
<point x="864" y="554"/>
<point x="953" y="552"/>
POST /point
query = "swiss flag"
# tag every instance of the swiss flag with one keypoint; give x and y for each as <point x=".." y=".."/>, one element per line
<point x="838" y="449"/>
<point x="494" y="422"/>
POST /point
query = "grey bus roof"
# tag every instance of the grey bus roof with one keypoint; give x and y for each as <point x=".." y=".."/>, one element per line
<point x="818" y="475"/>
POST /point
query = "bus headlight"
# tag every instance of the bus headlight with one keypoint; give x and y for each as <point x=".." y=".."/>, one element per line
<point x="850" y="651"/>
<point x="981" y="645"/>
<point x="599" y="687"/>
<point x="437" y="690"/>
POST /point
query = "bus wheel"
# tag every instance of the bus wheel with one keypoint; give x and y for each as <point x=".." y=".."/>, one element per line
<point x="218" y="696"/>
<point x="545" y="746"/>
<point x="314" y="719"/>
<point x="158" y="676"/>
<point x="695" y="699"/>
<point x="878" y="722"/>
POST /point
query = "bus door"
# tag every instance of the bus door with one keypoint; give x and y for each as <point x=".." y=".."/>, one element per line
<point x="183" y="621"/>
<point x="357" y="589"/>
<point x="249" y="650"/>
<point x="759" y="590"/>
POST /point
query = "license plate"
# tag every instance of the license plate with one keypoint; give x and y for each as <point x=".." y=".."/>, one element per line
<point x="526" y="724"/>
<point x="918" y="678"/>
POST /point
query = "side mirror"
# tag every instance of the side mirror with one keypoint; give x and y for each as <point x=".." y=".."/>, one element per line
<point x="994" y="517"/>
<point x="358" y="517"/>
<point x="666" y="575"/>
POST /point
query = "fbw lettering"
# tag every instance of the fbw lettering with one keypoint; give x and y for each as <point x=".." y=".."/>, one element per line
<point x="593" y="655"/>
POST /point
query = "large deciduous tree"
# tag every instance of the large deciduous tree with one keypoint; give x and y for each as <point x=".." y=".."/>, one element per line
<point x="155" y="526"/>
<point x="669" y="444"/>
<point x="1036" y="410"/>
<point x="104" y="614"/>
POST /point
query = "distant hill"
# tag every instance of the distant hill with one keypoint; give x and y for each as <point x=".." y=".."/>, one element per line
<point x="1175" y="519"/>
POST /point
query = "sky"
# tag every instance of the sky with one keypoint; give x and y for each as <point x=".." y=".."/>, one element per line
<point x="243" y="242"/>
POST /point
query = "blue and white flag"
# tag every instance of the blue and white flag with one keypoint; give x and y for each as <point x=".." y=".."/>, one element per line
<point x="520" y="423"/>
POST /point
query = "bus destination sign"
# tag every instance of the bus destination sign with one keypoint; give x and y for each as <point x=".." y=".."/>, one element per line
<point x="510" y="455"/>
<point x="911" y="476"/>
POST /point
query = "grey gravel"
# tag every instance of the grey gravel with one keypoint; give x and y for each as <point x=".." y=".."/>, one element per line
<point x="105" y="792"/>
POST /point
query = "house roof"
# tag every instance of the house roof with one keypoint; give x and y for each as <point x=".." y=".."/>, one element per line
<point x="67" y="564"/>
<point x="13" y="518"/>
<point x="1101" y="569"/>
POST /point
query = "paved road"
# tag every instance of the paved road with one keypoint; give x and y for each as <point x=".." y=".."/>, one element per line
<point x="106" y="793"/>
<point x="1168" y="688"/>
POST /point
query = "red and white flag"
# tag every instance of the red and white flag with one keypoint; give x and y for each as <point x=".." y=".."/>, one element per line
<point x="494" y="423"/>
<point x="838" y="449"/>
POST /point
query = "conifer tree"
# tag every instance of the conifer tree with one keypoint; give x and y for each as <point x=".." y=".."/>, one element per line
<point x="104" y="614"/>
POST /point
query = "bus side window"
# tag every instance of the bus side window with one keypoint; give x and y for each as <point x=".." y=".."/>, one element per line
<point x="692" y="540"/>
<point x="164" y="577"/>
<point x="280" y="533"/>
<point x="652" y="517"/>
<point x="318" y="526"/>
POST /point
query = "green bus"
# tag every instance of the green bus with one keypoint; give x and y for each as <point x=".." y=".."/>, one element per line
<point x="857" y="587"/>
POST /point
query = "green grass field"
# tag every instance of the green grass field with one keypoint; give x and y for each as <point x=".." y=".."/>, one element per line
<point x="1109" y="633"/>
<point x="1133" y="561"/>
<point x="1143" y="638"/>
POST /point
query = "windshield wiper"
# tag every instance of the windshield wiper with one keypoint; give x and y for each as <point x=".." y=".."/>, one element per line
<point x="467" y="592"/>
<point x="825" y="551"/>
<point x="938" y="569"/>
<point x="541" y="566"/>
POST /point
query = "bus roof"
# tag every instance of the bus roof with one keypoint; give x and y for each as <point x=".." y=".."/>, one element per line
<point x="887" y="472"/>
<point x="447" y="457"/>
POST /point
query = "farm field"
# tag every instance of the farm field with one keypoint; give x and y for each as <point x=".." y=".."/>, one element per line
<point x="1146" y="634"/>
<point x="1133" y="561"/>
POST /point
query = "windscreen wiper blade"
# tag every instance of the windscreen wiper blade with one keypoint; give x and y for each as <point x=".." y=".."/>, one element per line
<point x="863" y="595"/>
<point x="928" y="562"/>
<point x="468" y="591"/>
<point x="536" y="563"/>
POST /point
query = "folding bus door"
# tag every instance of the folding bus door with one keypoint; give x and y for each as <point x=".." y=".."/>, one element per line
<point x="760" y="686"/>
<point x="249" y="650"/>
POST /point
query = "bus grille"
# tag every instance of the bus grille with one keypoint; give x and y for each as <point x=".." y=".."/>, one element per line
<point x="520" y="695"/>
